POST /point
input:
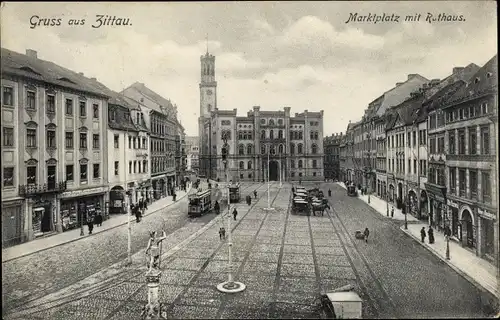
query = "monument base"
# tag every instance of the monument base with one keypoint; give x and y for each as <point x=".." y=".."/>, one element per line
<point x="231" y="287"/>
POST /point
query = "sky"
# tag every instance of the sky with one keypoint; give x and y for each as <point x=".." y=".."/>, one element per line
<point x="303" y="55"/>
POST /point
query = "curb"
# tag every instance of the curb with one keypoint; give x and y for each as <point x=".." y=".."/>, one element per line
<point x="457" y="270"/>
<point x="94" y="233"/>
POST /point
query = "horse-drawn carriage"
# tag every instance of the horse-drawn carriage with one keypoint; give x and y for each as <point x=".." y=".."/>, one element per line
<point x="351" y="191"/>
<point x="301" y="205"/>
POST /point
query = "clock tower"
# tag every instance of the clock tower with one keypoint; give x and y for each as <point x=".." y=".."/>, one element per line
<point x="208" y="85"/>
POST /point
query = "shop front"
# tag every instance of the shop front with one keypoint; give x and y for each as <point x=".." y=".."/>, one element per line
<point x="12" y="223"/>
<point x="453" y="219"/>
<point x="141" y="190"/>
<point x="43" y="219"/>
<point x="159" y="187"/>
<point x="78" y="205"/>
<point x="117" y="200"/>
<point x="436" y="196"/>
<point x="488" y="235"/>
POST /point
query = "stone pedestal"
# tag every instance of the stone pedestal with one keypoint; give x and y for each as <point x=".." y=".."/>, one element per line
<point x="153" y="310"/>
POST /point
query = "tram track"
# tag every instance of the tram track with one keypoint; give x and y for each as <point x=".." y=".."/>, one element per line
<point x="104" y="286"/>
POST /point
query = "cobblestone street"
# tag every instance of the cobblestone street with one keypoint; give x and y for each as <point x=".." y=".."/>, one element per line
<point x="286" y="260"/>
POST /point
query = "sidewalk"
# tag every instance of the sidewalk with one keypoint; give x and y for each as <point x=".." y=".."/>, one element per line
<point x="74" y="235"/>
<point x="478" y="271"/>
<point x="381" y="206"/>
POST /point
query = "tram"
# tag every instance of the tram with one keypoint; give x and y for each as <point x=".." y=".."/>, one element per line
<point x="199" y="203"/>
<point x="234" y="193"/>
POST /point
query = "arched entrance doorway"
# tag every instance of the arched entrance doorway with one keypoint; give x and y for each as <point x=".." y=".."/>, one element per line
<point x="412" y="201"/>
<point x="400" y="191"/>
<point x="273" y="171"/>
<point x="467" y="229"/>
<point x="116" y="200"/>
<point x="391" y="193"/>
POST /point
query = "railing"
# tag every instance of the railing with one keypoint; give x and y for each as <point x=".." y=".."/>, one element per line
<point x="37" y="189"/>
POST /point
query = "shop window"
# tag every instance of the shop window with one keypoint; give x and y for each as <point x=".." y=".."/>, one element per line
<point x="83" y="173"/>
<point x="69" y="172"/>
<point x="8" y="176"/>
<point x="96" y="171"/>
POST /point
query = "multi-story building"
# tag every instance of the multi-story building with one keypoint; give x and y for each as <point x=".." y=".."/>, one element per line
<point x="54" y="130"/>
<point x="294" y="144"/>
<point x="180" y="155"/>
<point x="160" y="115"/>
<point x="332" y="156"/>
<point x="347" y="163"/>
<point x="434" y="168"/>
<point x="193" y="151"/>
<point x="471" y="120"/>
<point x="128" y="153"/>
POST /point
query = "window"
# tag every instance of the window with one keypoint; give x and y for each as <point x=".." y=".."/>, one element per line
<point x="8" y="177"/>
<point x="432" y="121"/>
<point x="69" y="107"/>
<point x="83" y="173"/>
<point x="8" y="137"/>
<point x="249" y="149"/>
<point x="440" y="177"/>
<point x="460" y="114"/>
<point x="461" y="182"/>
<point x="95" y="141"/>
<point x="409" y="166"/>
<point x="83" y="140"/>
<point x="242" y="165"/>
<point x="117" y="141"/>
<point x="83" y="109"/>
<point x="414" y="165"/>
<point x="441" y="145"/>
<point x="472" y="140"/>
<point x="69" y="140"/>
<point x="51" y="103"/>
<point x="485" y="140"/>
<point x="461" y="142"/>
<point x="453" y="180"/>
<point x="249" y="164"/>
<point x="473" y="184"/>
<point x="314" y="149"/>
<point x="292" y="164"/>
<point x="299" y="148"/>
<point x="484" y="108"/>
<point x="112" y="115"/>
<point x="117" y="168"/>
<point x="31" y="175"/>
<point x="292" y="148"/>
<point x="433" y="145"/>
<point x="280" y="134"/>
<point x="472" y="111"/>
<point x="8" y="96"/>
<point x="30" y="100"/>
<point x="271" y="134"/>
<point x="130" y="143"/>
<point x="51" y="138"/>
<point x="300" y="135"/>
<point x="486" y="186"/>
<point x="95" y="109"/>
<point x="451" y="142"/>
<point x="96" y="172"/>
<point x="135" y="166"/>
<point x="263" y="134"/>
<point x="315" y="163"/>
<point x="134" y="143"/>
<point x="300" y="164"/>
<point x="145" y="166"/>
<point x="69" y="172"/>
<point x="241" y="150"/>
<point x="414" y="138"/>
<point x="263" y="149"/>
<point x="31" y="138"/>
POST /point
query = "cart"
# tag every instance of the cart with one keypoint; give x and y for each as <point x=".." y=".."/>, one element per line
<point x="351" y="191"/>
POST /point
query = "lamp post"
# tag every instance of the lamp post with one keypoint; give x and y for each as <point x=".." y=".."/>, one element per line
<point x="229" y="286"/>
<point x="447" y="232"/>
<point x="406" y="212"/>
<point x="268" y="183"/>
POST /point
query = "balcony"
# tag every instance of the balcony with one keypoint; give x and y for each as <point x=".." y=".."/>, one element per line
<point x="29" y="190"/>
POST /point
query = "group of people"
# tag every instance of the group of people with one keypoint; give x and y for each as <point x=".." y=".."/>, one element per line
<point x="138" y="209"/>
<point x="94" y="219"/>
<point x="423" y="235"/>
<point x="249" y="197"/>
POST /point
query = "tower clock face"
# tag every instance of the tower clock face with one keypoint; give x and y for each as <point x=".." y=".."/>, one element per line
<point x="209" y="92"/>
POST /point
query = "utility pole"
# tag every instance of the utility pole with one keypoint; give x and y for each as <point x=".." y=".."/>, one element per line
<point x="230" y="286"/>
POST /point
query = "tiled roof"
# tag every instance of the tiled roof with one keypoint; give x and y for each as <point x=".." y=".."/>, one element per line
<point x="409" y="111"/>
<point x="120" y="122"/>
<point x="441" y="97"/>
<point x="483" y="81"/>
<point x="141" y="87"/>
<point x="25" y="66"/>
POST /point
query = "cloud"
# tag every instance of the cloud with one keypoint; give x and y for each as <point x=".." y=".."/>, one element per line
<point x="263" y="26"/>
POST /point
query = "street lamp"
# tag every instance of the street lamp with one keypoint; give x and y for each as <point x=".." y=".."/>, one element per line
<point x="229" y="286"/>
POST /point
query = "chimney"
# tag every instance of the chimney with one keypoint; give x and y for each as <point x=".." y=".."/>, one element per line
<point x="80" y="73"/>
<point x="411" y="76"/>
<point x="31" y="53"/>
<point x="457" y="70"/>
<point x="398" y="84"/>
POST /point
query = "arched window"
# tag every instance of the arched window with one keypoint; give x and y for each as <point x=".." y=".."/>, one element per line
<point x="280" y="148"/>
<point x="242" y="165"/>
<point x="241" y="150"/>
<point x="300" y="135"/>
<point x="292" y="164"/>
<point x="312" y="135"/>
<point x="280" y="134"/>
<point x="250" y="136"/>
<point x="291" y="135"/>
<point x="300" y="164"/>
<point x="263" y="134"/>
<point x="314" y="149"/>
<point x="292" y="148"/>
<point x="249" y="149"/>
<point x="315" y="163"/>
<point x="316" y="134"/>
<point x="272" y="149"/>
<point x="263" y="149"/>
<point x="299" y="148"/>
<point x="271" y="134"/>
<point x="249" y="164"/>
<point x="240" y="135"/>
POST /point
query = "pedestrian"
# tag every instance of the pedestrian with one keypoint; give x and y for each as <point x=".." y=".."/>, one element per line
<point x="329" y="192"/>
<point x="422" y="234"/>
<point x="235" y="213"/>
<point x="98" y="219"/>
<point x="431" y="235"/>
<point x="255" y="194"/>
<point x="222" y="233"/>
<point x="90" y="223"/>
<point x="366" y="233"/>
<point x="392" y="212"/>
<point x="174" y="196"/>
<point x="216" y="207"/>
<point x="137" y="213"/>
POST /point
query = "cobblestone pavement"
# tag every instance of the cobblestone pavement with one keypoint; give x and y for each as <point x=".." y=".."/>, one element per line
<point x="32" y="277"/>
<point x="286" y="260"/>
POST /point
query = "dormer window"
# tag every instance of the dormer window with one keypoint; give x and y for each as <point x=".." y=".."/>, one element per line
<point x="489" y="74"/>
<point x="66" y="80"/>
<point x="28" y="69"/>
<point x="477" y="80"/>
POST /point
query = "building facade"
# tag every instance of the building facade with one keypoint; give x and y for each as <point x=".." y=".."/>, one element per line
<point x="332" y="156"/>
<point x="54" y="162"/>
<point x="160" y="115"/>
<point x="180" y="156"/>
<point x="193" y="151"/>
<point x="471" y="120"/>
